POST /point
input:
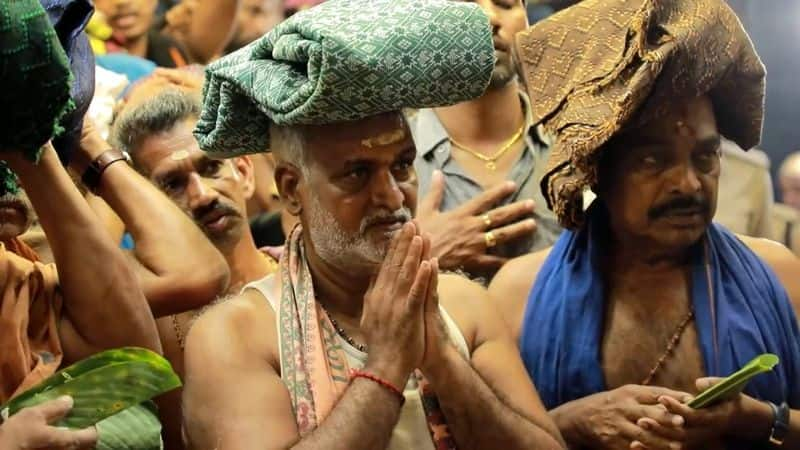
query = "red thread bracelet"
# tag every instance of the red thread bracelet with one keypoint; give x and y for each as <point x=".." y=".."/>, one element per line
<point x="355" y="373"/>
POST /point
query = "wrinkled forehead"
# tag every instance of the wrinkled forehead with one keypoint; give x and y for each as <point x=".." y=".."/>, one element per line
<point x="378" y="137"/>
<point x="172" y="150"/>
<point x="692" y="120"/>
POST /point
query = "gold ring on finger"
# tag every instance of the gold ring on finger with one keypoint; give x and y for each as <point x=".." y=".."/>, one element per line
<point x="487" y="220"/>
<point x="491" y="241"/>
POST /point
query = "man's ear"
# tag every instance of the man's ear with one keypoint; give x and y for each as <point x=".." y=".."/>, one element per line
<point x="287" y="179"/>
<point x="243" y="166"/>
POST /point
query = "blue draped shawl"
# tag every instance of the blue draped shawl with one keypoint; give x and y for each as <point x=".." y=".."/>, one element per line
<point x="750" y="314"/>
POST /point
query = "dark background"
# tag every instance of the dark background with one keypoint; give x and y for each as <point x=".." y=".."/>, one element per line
<point x="774" y="26"/>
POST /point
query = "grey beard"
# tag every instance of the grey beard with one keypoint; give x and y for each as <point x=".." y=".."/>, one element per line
<point x="339" y="248"/>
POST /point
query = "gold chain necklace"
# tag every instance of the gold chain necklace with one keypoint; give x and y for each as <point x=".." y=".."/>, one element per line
<point x="491" y="161"/>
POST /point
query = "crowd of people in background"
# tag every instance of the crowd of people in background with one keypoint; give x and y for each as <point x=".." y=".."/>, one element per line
<point x="408" y="224"/>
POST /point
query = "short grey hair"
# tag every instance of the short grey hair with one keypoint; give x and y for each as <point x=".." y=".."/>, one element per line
<point x="155" y="115"/>
<point x="288" y="144"/>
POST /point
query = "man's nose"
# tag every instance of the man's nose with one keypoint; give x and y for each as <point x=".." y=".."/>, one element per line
<point x="686" y="180"/>
<point x="198" y="192"/>
<point x="385" y="191"/>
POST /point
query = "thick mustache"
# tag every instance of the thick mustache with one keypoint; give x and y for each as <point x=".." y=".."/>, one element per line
<point x="681" y="203"/>
<point x="402" y="215"/>
<point x="224" y="210"/>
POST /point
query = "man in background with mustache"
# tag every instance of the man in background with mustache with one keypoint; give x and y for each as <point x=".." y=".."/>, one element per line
<point x="157" y="133"/>
<point x="644" y="301"/>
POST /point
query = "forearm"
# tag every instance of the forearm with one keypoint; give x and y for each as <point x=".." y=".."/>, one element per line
<point x="478" y="419"/>
<point x="362" y="420"/>
<point x="567" y="419"/>
<point x="108" y="218"/>
<point x="97" y="283"/>
<point x="179" y="267"/>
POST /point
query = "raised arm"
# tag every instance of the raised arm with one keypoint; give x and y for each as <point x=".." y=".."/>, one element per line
<point x="103" y="304"/>
<point x="177" y="265"/>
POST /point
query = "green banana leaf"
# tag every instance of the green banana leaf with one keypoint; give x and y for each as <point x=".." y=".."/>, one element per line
<point x="735" y="383"/>
<point x="135" y="428"/>
<point x="102" y="385"/>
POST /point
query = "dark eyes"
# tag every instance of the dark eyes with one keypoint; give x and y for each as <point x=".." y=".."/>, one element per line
<point x="703" y="160"/>
<point x="401" y="171"/>
<point x="505" y="4"/>
<point x="171" y="185"/>
<point x="357" y="173"/>
<point x="707" y="160"/>
<point x="211" y="169"/>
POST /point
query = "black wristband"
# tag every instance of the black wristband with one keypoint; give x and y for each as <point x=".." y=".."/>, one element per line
<point x="91" y="176"/>
<point x="780" y="424"/>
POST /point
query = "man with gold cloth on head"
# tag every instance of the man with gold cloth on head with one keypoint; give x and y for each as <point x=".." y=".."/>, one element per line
<point x="634" y="309"/>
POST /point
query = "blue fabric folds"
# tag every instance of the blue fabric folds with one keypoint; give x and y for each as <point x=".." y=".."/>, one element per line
<point x="748" y="314"/>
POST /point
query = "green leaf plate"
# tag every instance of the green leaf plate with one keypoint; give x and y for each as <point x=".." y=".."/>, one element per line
<point x="102" y="385"/>
<point x="735" y="383"/>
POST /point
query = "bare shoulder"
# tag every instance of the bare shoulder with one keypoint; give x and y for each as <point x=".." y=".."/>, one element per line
<point x="518" y="274"/>
<point x="238" y="326"/>
<point x="232" y="373"/>
<point x="512" y="285"/>
<point x="456" y="289"/>
<point x="782" y="261"/>
<point x="465" y="301"/>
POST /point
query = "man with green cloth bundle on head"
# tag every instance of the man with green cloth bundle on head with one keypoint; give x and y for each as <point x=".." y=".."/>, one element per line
<point x="645" y="302"/>
<point x="361" y="344"/>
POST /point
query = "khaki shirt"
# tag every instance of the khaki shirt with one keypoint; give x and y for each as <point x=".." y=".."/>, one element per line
<point x="745" y="199"/>
<point x="786" y="226"/>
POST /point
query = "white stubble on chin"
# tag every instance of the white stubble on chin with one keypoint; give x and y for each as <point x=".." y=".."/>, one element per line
<point x="336" y="246"/>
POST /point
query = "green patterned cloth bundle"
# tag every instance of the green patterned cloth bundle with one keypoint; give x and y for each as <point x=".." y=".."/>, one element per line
<point x="35" y="75"/>
<point x="345" y="60"/>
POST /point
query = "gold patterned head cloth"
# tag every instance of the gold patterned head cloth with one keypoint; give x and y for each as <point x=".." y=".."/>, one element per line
<point x="606" y="65"/>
